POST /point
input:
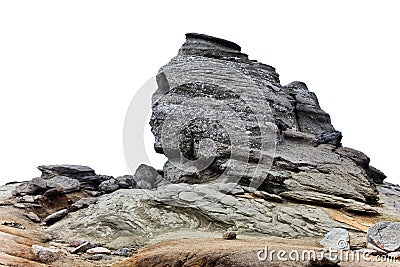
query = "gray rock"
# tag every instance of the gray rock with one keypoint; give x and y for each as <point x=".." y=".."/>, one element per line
<point x="28" y="199"/>
<point x="377" y="251"/>
<point x="33" y="187"/>
<point x="82" y="248"/>
<point x="126" y="181"/>
<point x="52" y="218"/>
<point x="189" y="196"/>
<point x="146" y="176"/>
<point x="143" y="215"/>
<point x="77" y="243"/>
<point x="98" y="250"/>
<point x="67" y="184"/>
<point x="200" y="114"/>
<point x="86" y="176"/>
<point x="144" y="185"/>
<point x="98" y="257"/>
<point x="54" y="192"/>
<point x="82" y="203"/>
<point x="49" y="171"/>
<point x="268" y="196"/>
<point x="124" y="252"/>
<point x="109" y="186"/>
<point x="20" y="205"/>
<point x="229" y="235"/>
<point x="45" y="255"/>
<point x="33" y="217"/>
<point x="13" y="225"/>
<point x="390" y="195"/>
<point x="337" y="239"/>
<point x="385" y="236"/>
<point x="230" y="188"/>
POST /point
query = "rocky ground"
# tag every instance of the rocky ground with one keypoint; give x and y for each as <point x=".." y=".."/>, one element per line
<point x="121" y="223"/>
<point x="251" y="163"/>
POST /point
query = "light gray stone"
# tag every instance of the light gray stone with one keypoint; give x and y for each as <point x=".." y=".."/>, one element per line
<point x="82" y="248"/>
<point x="33" y="217"/>
<point x="385" y="235"/>
<point x="98" y="250"/>
<point x="337" y="239"/>
<point x="52" y="218"/>
<point x="45" y="255"/>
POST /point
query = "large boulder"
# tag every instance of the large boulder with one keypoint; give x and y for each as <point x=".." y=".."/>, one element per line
<point x="385" y="236"/>
<point x="217" y="115"/>
<point x="146" y="177"/>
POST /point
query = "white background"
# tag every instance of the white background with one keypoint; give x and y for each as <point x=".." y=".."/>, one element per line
<point x="69" y="69"/>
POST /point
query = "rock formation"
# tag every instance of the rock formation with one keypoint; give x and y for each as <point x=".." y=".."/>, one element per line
<point x="225" y="113"/>
<point x="247" y="158"/>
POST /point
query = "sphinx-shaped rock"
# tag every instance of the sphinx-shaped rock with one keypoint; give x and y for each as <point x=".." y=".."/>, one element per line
<point x="219" y="115"/>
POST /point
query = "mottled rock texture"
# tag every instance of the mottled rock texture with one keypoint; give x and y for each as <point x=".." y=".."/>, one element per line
<point x="219" y="115"/>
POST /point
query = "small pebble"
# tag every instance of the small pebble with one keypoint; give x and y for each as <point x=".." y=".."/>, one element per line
<point x="229" y="235"/>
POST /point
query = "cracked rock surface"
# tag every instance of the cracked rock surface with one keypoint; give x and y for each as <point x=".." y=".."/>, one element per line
<point x="219" y="115"/>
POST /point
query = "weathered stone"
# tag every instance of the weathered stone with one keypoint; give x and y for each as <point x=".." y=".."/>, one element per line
<point x="33" y="187"/>
<point x="53" y="192"/>
<point x="97" y="257"/>
<point x="137" y="214"/>
<point x="126" y="181"/>
<point x="82" y="248"/>
<point x="86" y="176"/>
<point x="124" y="252"/>
<point x="33" y="217"/>
<point x="109" y="186"/>
<point x="385" y="235"/>
<point x="212" y="115"/>
<point x="82" y="203"/>
<point x="98" y="250"/>
<point x="20" y="205"/>
<point x="337" y="239"/>
<point x="77" y="243"/>
<point x="230" y="188"/>
<point x="52" y="218"/>
<point x="13" y="225"/>
<point x="229" y="235"/>
<point x="389" y="195"/>
<point x="67" y="184"/>
<point x="144" y="185"/>
<point x="268" y="196"/>
<point x="28" y="199"/>
<point x="377" y="251"/>
<point x="49" y="171"/>
<point x="146" y="176"/>
<point x="45" y="255"/>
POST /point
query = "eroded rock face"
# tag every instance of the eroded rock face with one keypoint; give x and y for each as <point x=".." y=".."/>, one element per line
<point x="219" y="115"/>
<point x="385" y="236"/>
<point x="137" y="216"/>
